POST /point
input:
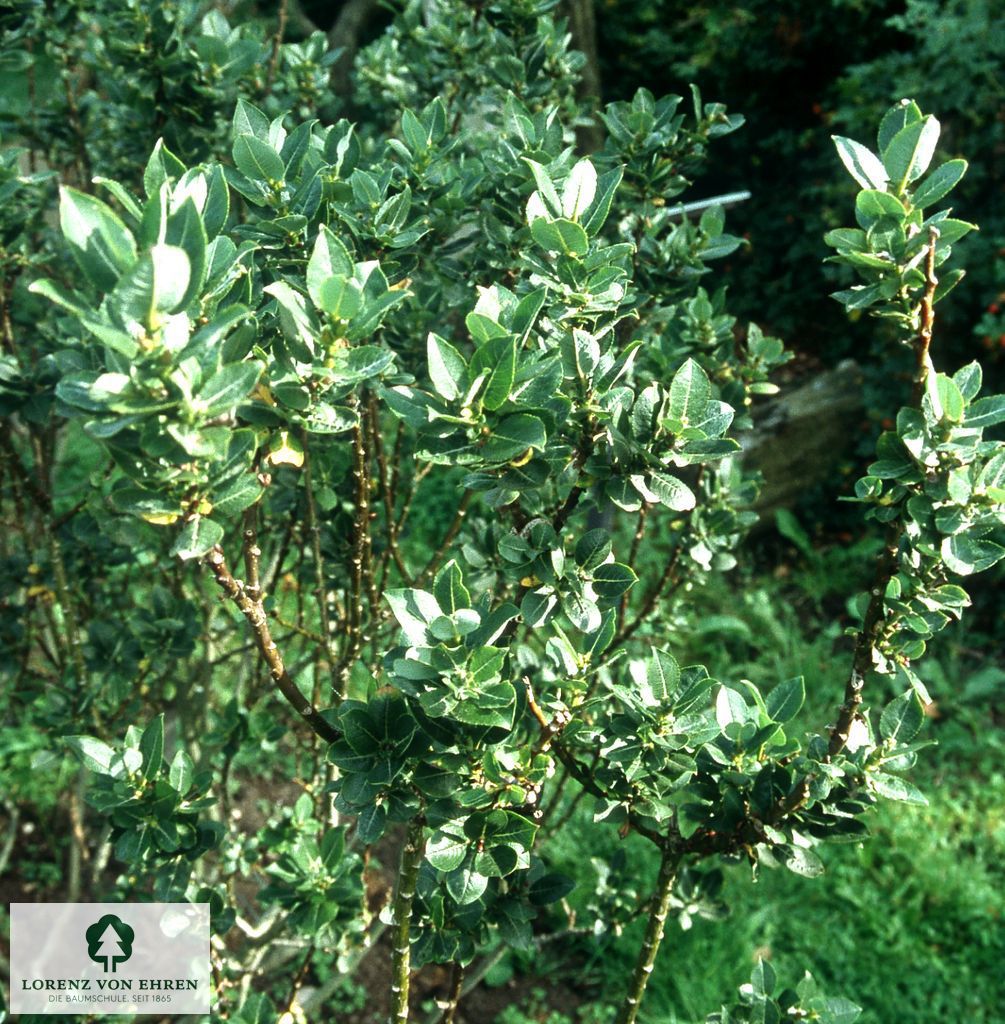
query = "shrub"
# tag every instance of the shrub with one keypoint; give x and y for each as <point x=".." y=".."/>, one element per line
<point x="251" y="371"/>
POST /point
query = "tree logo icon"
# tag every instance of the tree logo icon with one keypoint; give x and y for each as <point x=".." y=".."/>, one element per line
<point x="109" y="942"/>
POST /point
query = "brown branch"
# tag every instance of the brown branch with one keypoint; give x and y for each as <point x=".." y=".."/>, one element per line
<point x="358" y="558"/>
<point x="869" y="637"/>
<point x="320" y="589"/>
<point x="551" y="739"/>
<point x="277" y="42"/>
<point x="640" y="530"/>
<point x="344" y="35"/>
<point x="454" y="993"/>
<point x="667" y="582"/>
<point x="448" y="538"/>
<point x="254" y="613"/>
<point x="386" y="494"/>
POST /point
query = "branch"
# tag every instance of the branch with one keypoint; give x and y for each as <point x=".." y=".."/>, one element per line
<point x="551" y="739"/>
<point x="401" y="953"/>
<point x="654" y="935"/>
<point x="255" y="614"/>
<point x="277" y="42"/>
<point x="868" y="638"/>
<point x="448" y="538"/>
<point x="344" y="35"/>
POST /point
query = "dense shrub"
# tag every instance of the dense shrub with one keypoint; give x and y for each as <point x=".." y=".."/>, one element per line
<point x="372" y="472"/>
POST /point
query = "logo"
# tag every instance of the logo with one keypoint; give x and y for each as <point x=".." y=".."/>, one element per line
<point x="109" y="942"/>
<point x="88" y="959"/>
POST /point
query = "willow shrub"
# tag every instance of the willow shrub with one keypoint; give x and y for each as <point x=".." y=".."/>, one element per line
<point x="252" y="372"/>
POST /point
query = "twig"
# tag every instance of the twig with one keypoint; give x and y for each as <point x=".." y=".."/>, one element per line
<point x="361" y="529"/>
<point x="453" y="994"/>
<point x="551" y="739"/>
<point x="257" y="619"/>
<point x="320" y="589"/>
<point x="640" y="530"/>
<point x="277" y="42"/>
<point x="386" y="493"/>
<point x="448" y="538"/>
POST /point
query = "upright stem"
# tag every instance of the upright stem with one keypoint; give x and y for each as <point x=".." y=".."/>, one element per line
<point x="454" y="994"/>
<point x="654" y="935"/>
<point x="401" y="954"/>
<point x="358" y="559"/>
<point x="277" y="42"/>
<point x="313" y="527"/>
<point x="875" y="614"/>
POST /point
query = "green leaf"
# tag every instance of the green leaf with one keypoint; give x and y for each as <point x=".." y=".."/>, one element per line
<point x="871" y="206"/>
<point x="910" y="151"/>
<point x="238" y="495"/>
<point x="197" y="537"/>
<point x="582" y="612"/>
<point x="185" y="230"/>
<point x="904" y="113"/>
<point x="950" y="399"/>
<point x="662" y="679"/>
<point x="152" y="747"/>
<point x="466" y="885"/>
<point x="299" y="324"/>
<point x="257" y="160"/>
<point x="762" y="978"/>
<point x="449" y="589"/>
<point x="612" y="579"/>
<point x="414" y="610"/>
<point x="592" y="549"/>
<point x="986" y="412"/>
<point x="670" y="491"/>
<point x="496" y="361"/>
<point x="801" y="861"/>
<point x="561" y="235"/>
<point x="447" y="368"/>
<point x="607" y="186"/>
<point x="162" y="166"/>
<point x="100" y="243"/>
<point x="546" y="188"/>
<point x="249" y="120"/>
<point x="181" y="772"/>
<point x="966" y="555"/>
<point x="689" y="394"/>
<point x="939" y="183"/>
<point x="339" y="297"/>
<point x="515" y="435"/>
<point x="56" y="293"/>
<point x="550" y="888"/>
<point x="902" y="718"/>
<point x="371" y="822"/>
<point x="156" y="285"/>
<point x="328" y="258"/>
<point x="863" y="165"/>
<point x="785" y="700"/>
<point x="446" y="852"/>
<point x="93" y="753"/>
<point x="228" y="387"/>
<point x="893" y="787"/>
<point x="580" y="188"/>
